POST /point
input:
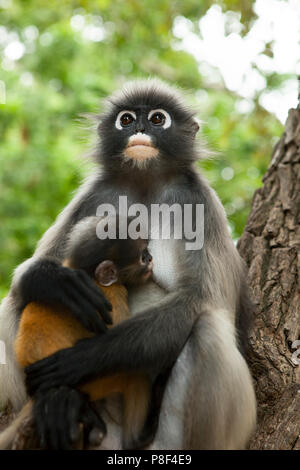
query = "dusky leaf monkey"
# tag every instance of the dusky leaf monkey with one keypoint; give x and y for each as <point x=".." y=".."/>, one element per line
<point x="147" y="152"/>
<point x="114" y="264"/>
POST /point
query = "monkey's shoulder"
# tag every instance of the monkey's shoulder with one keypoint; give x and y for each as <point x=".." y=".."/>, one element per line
<point x="190" y="187"/>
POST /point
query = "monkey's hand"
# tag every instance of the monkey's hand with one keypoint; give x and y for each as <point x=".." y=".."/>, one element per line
<point x="68" y="367"/>
<point x="47" y="281"/>
<point x="58" y="414"/>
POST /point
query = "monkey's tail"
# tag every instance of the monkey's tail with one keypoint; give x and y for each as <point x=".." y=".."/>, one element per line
<point x="8" y="435"/>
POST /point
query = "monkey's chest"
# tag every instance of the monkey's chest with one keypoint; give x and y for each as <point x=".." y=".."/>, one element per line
<point x="145" y="296"/>
<point x="165" y="272"/>
<point x="165" y="254"/>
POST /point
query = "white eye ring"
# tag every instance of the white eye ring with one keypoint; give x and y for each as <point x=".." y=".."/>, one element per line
<point x="167" y="116"/>
<point x="121" y="113"/>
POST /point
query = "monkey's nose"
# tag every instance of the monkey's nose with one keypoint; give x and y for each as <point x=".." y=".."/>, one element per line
<point x="146" y="258"/>
<point x="140" y="126"/>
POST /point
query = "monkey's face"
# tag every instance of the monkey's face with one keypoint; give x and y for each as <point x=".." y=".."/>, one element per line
<point x="147" y="126"/>
<point x="135" y="267"/>
<point x="136" y="270"/>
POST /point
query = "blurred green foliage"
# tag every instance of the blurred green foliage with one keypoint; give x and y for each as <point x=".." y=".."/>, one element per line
<point x="66" y="70"/>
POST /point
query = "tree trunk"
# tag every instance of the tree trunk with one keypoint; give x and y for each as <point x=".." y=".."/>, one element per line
<point x="270" y="246"/>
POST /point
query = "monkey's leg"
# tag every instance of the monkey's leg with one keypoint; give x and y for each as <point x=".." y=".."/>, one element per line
<point x="136" y="392"/>
<point x="137" y="398"/>
<point x="220" y="406"/>
<point x="146" y="434"/>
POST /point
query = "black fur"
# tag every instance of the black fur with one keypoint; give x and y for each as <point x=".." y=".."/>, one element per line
<point x="175" y="144"/>
<point x="57" y="414"/>
<point x="47" y="281"/>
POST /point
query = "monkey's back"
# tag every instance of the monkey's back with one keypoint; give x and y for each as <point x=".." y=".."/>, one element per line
<point x="45" y="329"/>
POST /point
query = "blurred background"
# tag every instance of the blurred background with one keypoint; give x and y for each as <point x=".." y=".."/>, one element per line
<point x="238" y="60"/>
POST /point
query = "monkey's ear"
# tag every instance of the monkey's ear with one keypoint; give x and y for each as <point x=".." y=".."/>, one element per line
<point x="195" y="126"/>
<point x="106" y="273"/>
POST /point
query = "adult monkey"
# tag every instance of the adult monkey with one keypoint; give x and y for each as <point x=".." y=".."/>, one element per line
<point x="147" y="150"/>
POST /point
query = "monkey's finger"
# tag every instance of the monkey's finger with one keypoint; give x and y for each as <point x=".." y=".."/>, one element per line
<point x="95" y="437"/>
<point x="85" y="312"/>
<point x="43" y="414"/>
<point x="75" y="406"/>
<point x="94" y="427"/>
<point x="40" y="380"/>
<point x="40" y="422"/>
<point x="92" y="419"/>
<point x="58" y="430"/>
<point x="38" y="371"/>
<point x="88" y="313"/>
<point x="100" y="302"/>
<point x="50" y="421"/>
<point x="46" y="382"/>
<point x="93" y="289"/>
<point x="66" y="297"/>
<point x="92" y="294"/>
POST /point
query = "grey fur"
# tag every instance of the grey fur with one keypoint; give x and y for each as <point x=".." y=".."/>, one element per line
<point x="209" y="401"/>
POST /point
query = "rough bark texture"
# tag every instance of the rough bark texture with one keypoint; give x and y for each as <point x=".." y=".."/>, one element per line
<point x="270" y="246"/>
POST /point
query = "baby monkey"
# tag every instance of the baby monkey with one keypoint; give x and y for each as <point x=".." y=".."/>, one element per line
<point x="115" y="265"/>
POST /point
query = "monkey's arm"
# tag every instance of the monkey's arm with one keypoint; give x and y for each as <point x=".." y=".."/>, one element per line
<point x="46" y="329"/>
<point x="42" y="278"/>
<point x="70" y="287"/>
<point x="149" y="342"/>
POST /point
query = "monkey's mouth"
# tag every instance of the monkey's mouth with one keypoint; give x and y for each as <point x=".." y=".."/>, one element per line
<point x="147" y="274"/>
<point x="147" y="271"/>
<point x="140" y="147"/>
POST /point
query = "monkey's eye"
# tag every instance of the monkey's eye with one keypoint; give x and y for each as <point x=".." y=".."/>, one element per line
<point x="124" y="119"/>
<point x="160" y="117"/>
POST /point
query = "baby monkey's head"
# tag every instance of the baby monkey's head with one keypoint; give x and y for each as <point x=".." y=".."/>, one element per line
<point x="108" y="260"/>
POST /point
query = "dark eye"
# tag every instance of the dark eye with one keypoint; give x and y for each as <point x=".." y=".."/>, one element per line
<point x="126" y="119"/>
<point x="158" y="119"/>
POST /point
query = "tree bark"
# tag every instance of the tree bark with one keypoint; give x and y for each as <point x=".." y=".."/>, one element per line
<point x="270" y="246"/>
